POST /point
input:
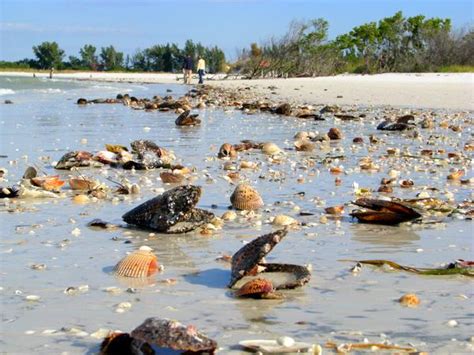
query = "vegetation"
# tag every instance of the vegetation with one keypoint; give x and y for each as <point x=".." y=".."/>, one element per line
<point x="163" y="58"/>
<point x="394" y="44"/>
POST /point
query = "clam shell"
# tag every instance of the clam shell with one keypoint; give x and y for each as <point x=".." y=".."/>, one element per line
<point x="141" y="263"/>
<point x="334" y="210"/>
<point x="170" y="178"/>
<point x="49" y="183"/>
<point x="304" y="145"/>
<point x="270" y="148"/>
<point x="227" y="150"/>
<point x="255" y="288"/>
<point x="246" y="198"/>
<point x="81" y="184"/>
<point x="282" y="220"/>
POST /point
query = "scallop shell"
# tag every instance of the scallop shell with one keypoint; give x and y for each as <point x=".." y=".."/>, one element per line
<point x="255" y="288"/>
<point x="246" y="198"/>
<point x="141" y="263"/>
<point x="270" y="148"/>
<point x="170" y="178"/>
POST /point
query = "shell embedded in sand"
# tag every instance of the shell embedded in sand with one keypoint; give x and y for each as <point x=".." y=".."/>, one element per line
<point x="246" y="197"/>
<point x="334" y="210"/>
<point x="409" y="300"/>
<point x="141" y="263"/>
<point x="81" y="184"/>
<point x="304" y="145"/>
<point x="255" y="288"/>
<point x="282" y="220"/>
<point x="229" y="216"/>
<point x="170" y="178"/>
<point x="244" y="164"/>
<point x="270" y="148"/>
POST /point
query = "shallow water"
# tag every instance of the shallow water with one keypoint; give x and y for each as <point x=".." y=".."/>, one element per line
<point x="44" y="121"/>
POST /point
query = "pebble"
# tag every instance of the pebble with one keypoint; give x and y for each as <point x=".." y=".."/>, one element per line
<point x="32" y="298"/>
<point x="286" y="341"/>
<point x="146" y="129"/>
<point x="123" y="307"/>
<point x="452" y="323"/>
<point x="76" y="232"/>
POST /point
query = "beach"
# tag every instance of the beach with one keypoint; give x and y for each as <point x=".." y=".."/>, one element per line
<point x="59" y="289"/>
<point x="424" y="90"/>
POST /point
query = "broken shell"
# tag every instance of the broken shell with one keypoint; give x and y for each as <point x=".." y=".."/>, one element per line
<point x="282" y="220"/>
<point x="270" y="148"/>
<point x="304" y="145"/>
<point x="48" y="183"/>
<point x="409" y="300"/>
<point x="456" y="175"/>
<point x="244" y="164"/>
<point x="227" y="151"/>
<point x="245" y="197"/>
<point x="81" y="184"/>
<point x="229" y="216"/>
<point x="256" y="288"/>
<point x="141" y="263"/>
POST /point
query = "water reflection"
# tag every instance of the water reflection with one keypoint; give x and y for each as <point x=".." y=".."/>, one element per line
<point x="387" y="237"/>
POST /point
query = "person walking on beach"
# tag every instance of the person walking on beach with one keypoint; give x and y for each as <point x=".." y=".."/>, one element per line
<point x="201" y="68"/>
<point x="188" y="69"/>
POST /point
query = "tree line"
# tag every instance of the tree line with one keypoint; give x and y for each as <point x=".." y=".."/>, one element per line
<point x="393" y="44"/>
<point x="162" y="58"/>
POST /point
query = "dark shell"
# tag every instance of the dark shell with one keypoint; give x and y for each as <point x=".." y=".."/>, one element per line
<point x="171" y="212"/>
<point x="170" y="178"/>
<point x="283" y="109"/>
<point x="124" y="344"/>
<point x="251" y="254"/>
<point x="172" y="334"/>
<point x="9" y="192"/>
<point x="74" y="159"/>
<point x="387" y="206"/>
<point x="185" y="119"/>
<point x="30" y="173"/>
<point x="227" y="150"/>
<point x="141" y="147"/>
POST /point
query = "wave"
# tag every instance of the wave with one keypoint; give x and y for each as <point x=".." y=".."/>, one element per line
<point x="48" y="91"/>
<point x="6" y="91"/>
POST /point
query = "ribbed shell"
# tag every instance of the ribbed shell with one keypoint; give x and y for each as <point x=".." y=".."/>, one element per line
<point x="254" y="288"/>
<point x="246" y="198"/>
<point x="141" y="263"/>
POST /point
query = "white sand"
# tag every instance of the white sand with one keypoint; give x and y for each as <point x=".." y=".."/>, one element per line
<point x="428" y="90"/>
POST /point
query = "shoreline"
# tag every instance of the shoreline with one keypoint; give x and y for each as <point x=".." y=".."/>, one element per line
<point x="404" y="90"/>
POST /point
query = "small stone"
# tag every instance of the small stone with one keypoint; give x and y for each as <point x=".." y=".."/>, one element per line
<point x="32" y="298"/>
<point x="286" y="341"/>
<point x="452" y="323"/>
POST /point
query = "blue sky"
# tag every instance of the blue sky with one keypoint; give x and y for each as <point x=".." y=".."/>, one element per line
<point x="230" y="24"/>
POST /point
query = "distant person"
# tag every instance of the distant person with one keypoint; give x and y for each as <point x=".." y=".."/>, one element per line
<point x="201" y="68"/>
<point x="188" y="69"/>
<point x="51" y="71"/>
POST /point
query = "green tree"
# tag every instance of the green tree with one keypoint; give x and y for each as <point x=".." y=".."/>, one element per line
<point x="74" y="62"/>
<point x="88" y="56"/>
<point x="110" y="59"/>
<point x="49" y="55"/>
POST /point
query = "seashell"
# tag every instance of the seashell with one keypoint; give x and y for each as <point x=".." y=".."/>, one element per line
<point x="256" y="288"/>
<point x="106" y="157"/>
<point x="302" y="135"/>
<point x="48" y="183"/>
<point x="407" y="183"/>
<point x="229" y="216"/>
<point x="168" y="333"/>
<point x="336" y="170"/>
<point x="358" y="140"/>
<point x="335" y="134"/>
<point x="141" y="263"/>
<point x="456" y="175"/>
<point x="276" y="346"/>
<point x="385" y="189"/>
<point x="170" y="178"/>
<point x="304" y="145"/>
<point x="282" y="220"/>
<point x="409" y="300"/>
<point x="286" y="341"/>
<point x="227" y="151"/>
<point x="81" y="184"/>
<point x="115" y="148"/>
<point x="334" y="210"/>
<point x="244" y="164"/>
<point x="186" y="119"/>
<point x="270" y="148"/>
<point x="245" y="197"/>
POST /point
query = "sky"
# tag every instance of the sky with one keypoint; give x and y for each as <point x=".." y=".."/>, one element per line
<point x="130" y="25"/>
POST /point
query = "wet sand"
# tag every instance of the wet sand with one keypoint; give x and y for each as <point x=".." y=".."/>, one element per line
<point x="425" y="90"/>
<point x="44" y="123"/>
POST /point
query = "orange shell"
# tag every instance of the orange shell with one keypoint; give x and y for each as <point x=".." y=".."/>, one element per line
<point x="334" y="210"/>
<point x="141" y="263"/>
<point x="49" y="183"/>
<point x="246" y="198"/>
<point x="254" y="288"/>
<point x="170" y="178"/>
<point x="409" y="300"/>
<point x="80" y="184"/>
<point x="456" y="175"/>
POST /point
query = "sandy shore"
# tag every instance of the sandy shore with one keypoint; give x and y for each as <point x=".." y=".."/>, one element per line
<point x="428" y="90"/>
